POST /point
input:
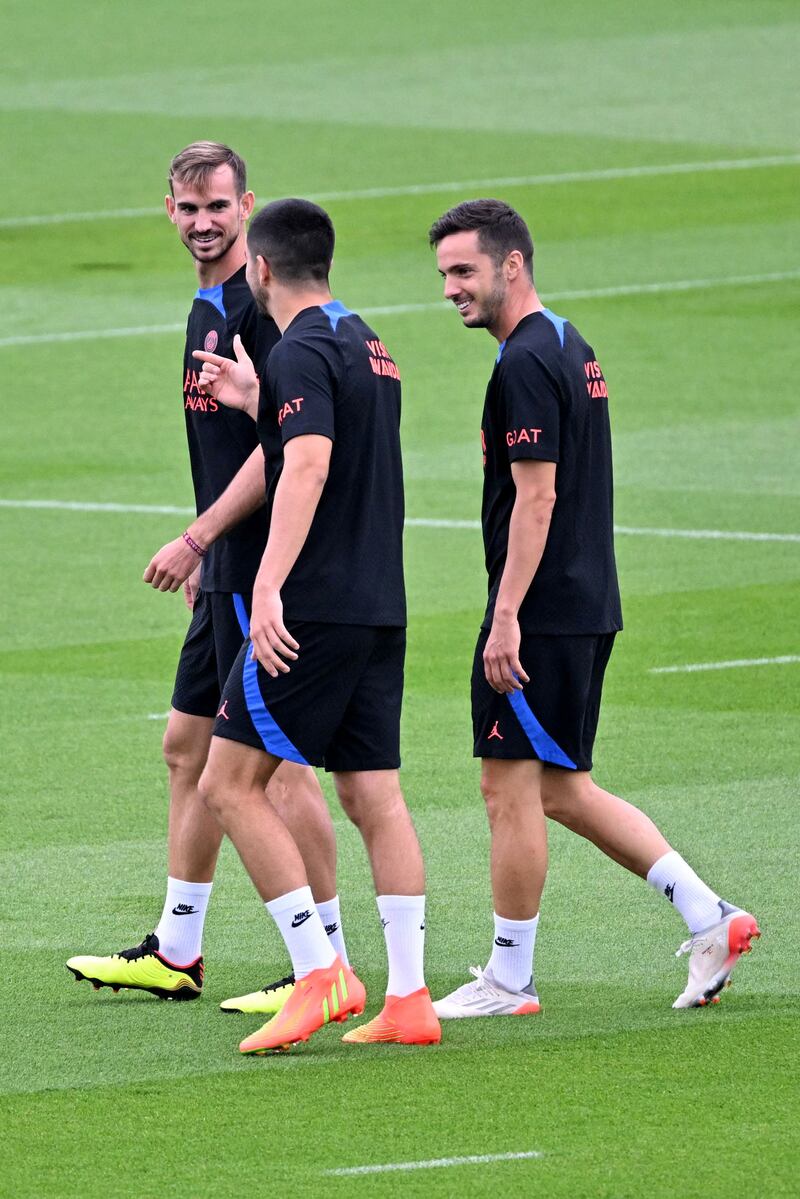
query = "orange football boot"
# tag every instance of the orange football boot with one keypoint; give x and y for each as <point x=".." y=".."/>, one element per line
<point x="406" y="1020"/>
<point x="325" y="995"/>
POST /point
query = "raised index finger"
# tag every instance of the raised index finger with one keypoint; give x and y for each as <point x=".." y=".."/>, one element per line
<point x="204" y="356"/>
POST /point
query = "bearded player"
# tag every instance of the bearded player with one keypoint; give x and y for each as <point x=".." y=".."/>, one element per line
<point x="215" y="560"/>
<point x="552" y="615"/>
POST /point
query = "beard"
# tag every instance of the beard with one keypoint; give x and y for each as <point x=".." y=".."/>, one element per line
<point x="212" y="252"/>
<point x="260" y="299"/>
<point x="489" y="309"/>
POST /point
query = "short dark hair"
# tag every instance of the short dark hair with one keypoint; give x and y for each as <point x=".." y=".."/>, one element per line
<point x="500" y="229"/>
<point x="296" y="238"/>
<point x="196" y="164"/>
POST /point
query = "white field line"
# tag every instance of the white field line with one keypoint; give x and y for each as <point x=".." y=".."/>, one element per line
<point x="603" y="293"/>
<point x="41" y="339"/>
<point x="734" y="664"/>
<point x="478" y="1159"/>
<point x="594" y="293"/>
<point x="157" y="715"/>
<point x="705" y="534"/>
<point x="413" y="522"/>
<point x="431" y="189"/>
<point x="80" y="506"/>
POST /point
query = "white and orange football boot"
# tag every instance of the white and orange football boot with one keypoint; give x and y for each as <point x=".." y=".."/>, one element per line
<point x="713" y="955"/>
<point x="485" y="997"/>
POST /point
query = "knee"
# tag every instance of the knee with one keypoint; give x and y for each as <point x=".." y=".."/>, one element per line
<point x="370" y="802"/>
<point x="349" y="794"/>
<point x="499" y="804"/>
<point x="278" y="792"/>
<point x="210" y="790"/>
<point x="294" y="791"/>
<point x="553" y="804"/>
<point x="564" y="796"/>
<point x="182" y="754"/>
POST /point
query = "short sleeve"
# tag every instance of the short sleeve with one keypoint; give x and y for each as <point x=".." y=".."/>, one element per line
<point x="302" y="385"/>
<point x="529" y="400"/>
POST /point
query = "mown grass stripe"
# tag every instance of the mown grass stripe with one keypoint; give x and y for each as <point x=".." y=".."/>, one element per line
<point x="652" y="170"/>
<point x="556" y="297"/>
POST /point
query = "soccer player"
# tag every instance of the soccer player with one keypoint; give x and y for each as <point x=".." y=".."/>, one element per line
<point x="550" y="622"/>
<point x="321" y="679"/>
<point x="216" y="561"/>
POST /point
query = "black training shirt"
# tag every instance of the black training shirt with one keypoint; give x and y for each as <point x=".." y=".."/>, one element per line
<point x="221" y="439"/>
<point x="547" y="399"/>
<point x="330" y="374"/>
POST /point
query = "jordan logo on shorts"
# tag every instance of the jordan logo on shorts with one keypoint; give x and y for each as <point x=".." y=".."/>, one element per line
<point x="222" y="711"/>
<point x="496" y="733"/>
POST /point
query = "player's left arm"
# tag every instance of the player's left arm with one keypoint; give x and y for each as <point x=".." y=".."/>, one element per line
<point x="304" y="474"/>
<point x="178" y="559"/>
<point x="535" y="483"/>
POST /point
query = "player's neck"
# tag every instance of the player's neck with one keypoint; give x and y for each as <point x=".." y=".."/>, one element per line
<point x="516" y="307"/>
<point x="211" y="274"/>
<point x="285" y="303"/>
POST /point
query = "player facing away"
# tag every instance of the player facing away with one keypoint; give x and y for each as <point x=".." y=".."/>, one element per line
<point x="321" y="679"/>
<point x="216" y="560"/>
<point x="552" y="615"/>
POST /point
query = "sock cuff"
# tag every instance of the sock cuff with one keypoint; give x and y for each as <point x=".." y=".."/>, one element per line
<point x="664" y="862"/>
<point x="329" y="910"/>
<point x="520" y="924"/>
<point x="300" y="899"/>
<point x="398" y="902"/>
<point x="183" y="886"/>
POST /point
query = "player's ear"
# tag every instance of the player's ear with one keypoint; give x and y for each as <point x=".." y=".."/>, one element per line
<point x="264" y="273"/>
<point x="169" y="203"/>
<point x="246" y="205"/>
<point x="514" y="264"/>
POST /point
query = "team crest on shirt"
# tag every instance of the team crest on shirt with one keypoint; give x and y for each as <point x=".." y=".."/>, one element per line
<point x="210" y="343"/>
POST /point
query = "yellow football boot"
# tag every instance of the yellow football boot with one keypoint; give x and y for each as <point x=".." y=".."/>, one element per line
<point x="141" y="969"/>
<point x="266" y="1002"/>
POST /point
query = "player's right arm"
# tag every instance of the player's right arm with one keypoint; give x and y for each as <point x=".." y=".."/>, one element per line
<point x="245" y="494"/>
<point x="304" y="474"/>
<point x="308" y="430"/>
<point x="529" y="402"/>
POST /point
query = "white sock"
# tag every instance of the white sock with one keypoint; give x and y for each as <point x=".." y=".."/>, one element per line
<point x="403" y="920"/>
<point x="180" y="929"/>
<point x="696" y="902"/>
<point x="302" y="930"/>
<point x="511" y="963"/>
<point x="331" y="918"/>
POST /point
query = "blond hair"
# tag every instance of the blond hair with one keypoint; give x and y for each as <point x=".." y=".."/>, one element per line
<point x="196" y="164"/>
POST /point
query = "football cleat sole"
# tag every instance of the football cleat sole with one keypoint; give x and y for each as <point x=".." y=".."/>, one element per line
<point x="181" y="993"/>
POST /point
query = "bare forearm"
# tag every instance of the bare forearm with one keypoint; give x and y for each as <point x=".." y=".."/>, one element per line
<point x="296" y="498"/>
<point x="245" y="494"/>
<point x="527" y="537"/>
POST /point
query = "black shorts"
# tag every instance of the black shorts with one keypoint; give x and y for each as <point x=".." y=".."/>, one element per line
<point x="554" y="717"/>
<point x="220" y="623"/>
<point x="338" y="707"/>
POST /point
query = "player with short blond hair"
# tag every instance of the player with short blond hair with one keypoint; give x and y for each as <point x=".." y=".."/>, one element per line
<point x="215" y="560"/>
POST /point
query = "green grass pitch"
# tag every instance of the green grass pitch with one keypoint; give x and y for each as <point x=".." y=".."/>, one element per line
<point x="123" y="1095"/>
